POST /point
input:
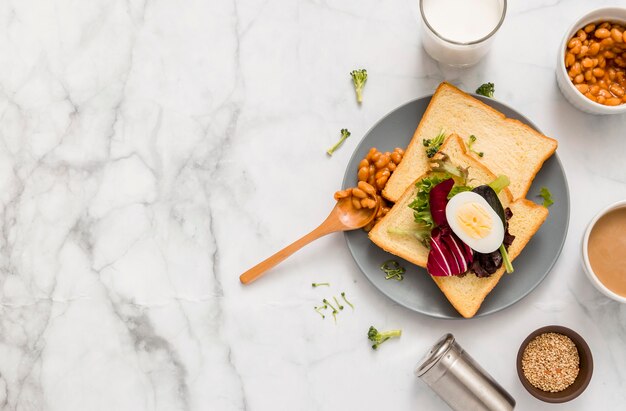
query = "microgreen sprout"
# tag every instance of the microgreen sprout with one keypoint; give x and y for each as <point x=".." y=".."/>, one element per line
<point x="470" y="143"/>
<point x="320" y="284"/>
<point x="344" y="135"/>
<point x="343" y="295"/>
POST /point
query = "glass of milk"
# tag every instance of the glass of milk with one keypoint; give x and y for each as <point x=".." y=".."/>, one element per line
<point x="460" y="32"/>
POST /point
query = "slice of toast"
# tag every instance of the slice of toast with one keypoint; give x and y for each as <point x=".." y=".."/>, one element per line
<point x="465" y="293"/>
<point x="510" y="147"/>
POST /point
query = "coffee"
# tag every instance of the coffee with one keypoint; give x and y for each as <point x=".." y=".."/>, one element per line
<point x="607" y="250"/>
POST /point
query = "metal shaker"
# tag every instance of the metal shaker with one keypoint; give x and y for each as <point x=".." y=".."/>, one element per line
<point x="460" y="381"/>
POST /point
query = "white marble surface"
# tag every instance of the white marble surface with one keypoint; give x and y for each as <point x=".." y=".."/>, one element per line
<point x="151" y="151"/>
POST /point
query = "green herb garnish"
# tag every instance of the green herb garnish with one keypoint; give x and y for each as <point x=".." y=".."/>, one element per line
<point x="470" y="143"/>
<point x="421" y="205"/>
<point x="317" y="310"/>
<point x="359" y="77"/>
<point x="486" y="90"/>
<point x="458" y="189"/>
<point x="344" y="135"/>
<point x="432" y="145"/>
<point x="320" y="285"/>
<point x="393" y="270"/>
<point x="547" y="197"/>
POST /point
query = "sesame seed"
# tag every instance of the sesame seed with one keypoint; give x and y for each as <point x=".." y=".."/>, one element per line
<point x="551" y="362"/>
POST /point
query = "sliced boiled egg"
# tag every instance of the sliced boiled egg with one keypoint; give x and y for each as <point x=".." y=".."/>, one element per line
<point x="473" y="220"/>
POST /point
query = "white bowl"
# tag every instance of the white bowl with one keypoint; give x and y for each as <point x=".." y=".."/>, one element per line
<point x="571" y="93"/>
<point x="587" y="266"/>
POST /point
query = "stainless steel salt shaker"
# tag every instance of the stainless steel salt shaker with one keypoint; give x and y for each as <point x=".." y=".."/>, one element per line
<point x="460" y="381"/>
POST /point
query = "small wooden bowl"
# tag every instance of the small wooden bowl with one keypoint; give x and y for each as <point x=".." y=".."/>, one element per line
<point x="584" y="375"/>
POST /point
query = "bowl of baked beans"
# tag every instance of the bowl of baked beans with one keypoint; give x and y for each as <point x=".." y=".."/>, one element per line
<point x="591" y="65"/>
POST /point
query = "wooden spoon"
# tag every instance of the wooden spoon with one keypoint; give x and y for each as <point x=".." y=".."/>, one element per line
<point x="343" y="217"/>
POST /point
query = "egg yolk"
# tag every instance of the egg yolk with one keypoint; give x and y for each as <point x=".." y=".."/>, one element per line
<point x="474" y="220"/>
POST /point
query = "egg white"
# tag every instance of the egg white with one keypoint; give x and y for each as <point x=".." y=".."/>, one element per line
<point x="492" y="241"/>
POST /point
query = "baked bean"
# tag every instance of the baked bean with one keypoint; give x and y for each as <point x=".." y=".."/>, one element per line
<point x="382" y="173"/>
<point x="594" y="90"/>
<point x="587" y="62"/>
<point x="391" y="166"/>
<point x="605" y="25"/>
<point x="616" y="90"/>
<point x="574" y="43"/>
<point x="589" y="28"/>
<point x="376" y="156"/>
<point x="583" y="88"/>
<point x="582" y="36"/>
<point x="364" y="173"/>
<point x="594" y="48"/>
<point x="602" y="33"/>
<point x="372" y="151"/>
<point x="343" y="194"/>
<point x="583" y="50"/>
<point x="601" y="99"/>
<point x="616" y="35"/>
<point x="609" y="54"/>
<point x="357" y="192"/>
<point x="380" y="183"/>
<point x="368" y="203"/>
<point x="364" y="163"/>
<point x="399" y="151"/>
<point x="397" y="157"/>
<point x="576" y="69"/>
<point x="579" y="79"/>
<point x="356" y="203"/>
<point x="590" y="96"/>
<point x="613" y="101"/>
<point x="382" y="161"/>
<point x="608" y="42"/>
<point x="598" y="72"/>
<point x="367" y="188"/>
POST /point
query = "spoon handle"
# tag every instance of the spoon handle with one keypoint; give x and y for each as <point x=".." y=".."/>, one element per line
<point x="260" y="269"/>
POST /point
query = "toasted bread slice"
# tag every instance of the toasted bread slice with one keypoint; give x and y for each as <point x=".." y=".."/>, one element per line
<point x="510" y="147"/>
<point x="465" y="293"/>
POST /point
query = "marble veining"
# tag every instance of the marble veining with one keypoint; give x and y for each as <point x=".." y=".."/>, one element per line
<point x="151" y="151"/>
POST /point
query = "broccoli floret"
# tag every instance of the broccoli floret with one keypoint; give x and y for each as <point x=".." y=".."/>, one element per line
<point x="486" y="90"/>
<point x="378" y="338"/>
<point x="344" y="135"/>
<point x="432" y="144"/>
<point x="359" y="77"/>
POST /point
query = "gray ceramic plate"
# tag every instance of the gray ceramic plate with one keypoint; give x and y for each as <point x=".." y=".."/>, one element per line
<point x="417" y="291"/>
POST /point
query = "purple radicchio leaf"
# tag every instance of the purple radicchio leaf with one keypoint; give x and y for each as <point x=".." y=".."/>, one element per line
<point x="438" y="200"/>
